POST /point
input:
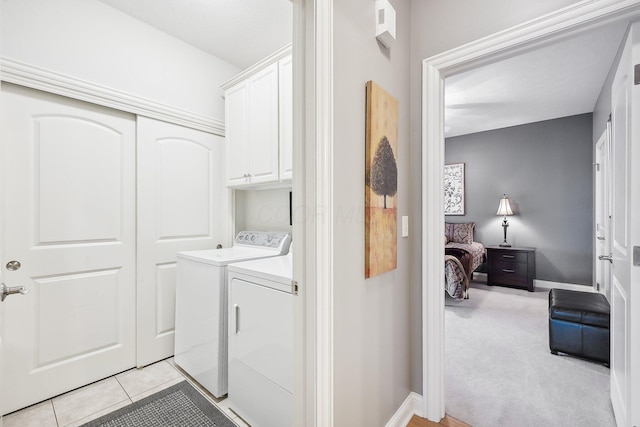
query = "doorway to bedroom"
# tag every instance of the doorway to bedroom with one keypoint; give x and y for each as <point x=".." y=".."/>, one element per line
<point x="523" y="129"/>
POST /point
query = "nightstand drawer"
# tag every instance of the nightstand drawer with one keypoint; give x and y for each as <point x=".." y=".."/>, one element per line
<point x="512" y="257"/>
<point x="509" y="273"/>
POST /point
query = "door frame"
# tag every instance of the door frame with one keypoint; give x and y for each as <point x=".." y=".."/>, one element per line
<point x="312" y="209"/>
<point x="568" y="21"/>
<point x="602" y="197"/>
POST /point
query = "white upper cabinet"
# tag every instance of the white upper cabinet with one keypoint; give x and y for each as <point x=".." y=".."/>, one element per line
<point x="258" y="106"/>
<point x="286" y="117"/>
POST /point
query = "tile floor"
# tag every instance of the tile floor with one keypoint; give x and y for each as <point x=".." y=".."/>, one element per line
<point x="87" y="403"/>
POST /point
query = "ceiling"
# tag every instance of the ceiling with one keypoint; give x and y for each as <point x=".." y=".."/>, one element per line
<point x="558" y="80"/>
<point x="240" y="32"/>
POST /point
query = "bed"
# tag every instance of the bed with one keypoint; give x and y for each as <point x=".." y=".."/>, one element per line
<point x="462" y="257"/>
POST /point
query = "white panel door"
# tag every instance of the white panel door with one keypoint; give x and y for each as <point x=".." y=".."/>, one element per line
<point x="69" y="199"/>
<point x="263" y="129"/>
<point x="625" y="231"/>
<point x="285" y="99"/>
<point x="182" y="204"/>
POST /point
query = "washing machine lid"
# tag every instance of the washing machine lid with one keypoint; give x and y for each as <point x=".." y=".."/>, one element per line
<point x="225" y="256"/>
<point x="247" y="245"/>
<point x="277" y="269"/>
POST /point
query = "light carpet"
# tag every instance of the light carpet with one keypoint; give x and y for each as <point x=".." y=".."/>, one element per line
<point x="500" y="372"/>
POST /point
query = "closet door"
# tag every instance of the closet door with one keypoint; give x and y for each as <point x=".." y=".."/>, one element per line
<point x="182" y="206"/>
<point x="69" y="220"/>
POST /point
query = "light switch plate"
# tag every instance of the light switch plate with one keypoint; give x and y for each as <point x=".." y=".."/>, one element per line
<point x="405" y="226"/>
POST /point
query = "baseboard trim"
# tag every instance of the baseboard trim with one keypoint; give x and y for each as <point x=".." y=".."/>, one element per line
<point x="545" y="284"/>
<point x="411" y="406"/>
<point x="28" y="75"/>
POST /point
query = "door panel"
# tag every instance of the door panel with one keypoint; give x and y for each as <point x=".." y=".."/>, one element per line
<point x="182" y="204"/>
<point x="625" y="205"/>
<point x="69" y="219"/>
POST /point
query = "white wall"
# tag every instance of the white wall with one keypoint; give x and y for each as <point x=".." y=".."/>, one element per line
<point x="372" y="374"/>
<point x="91" y="41"/>
<point x="262" y="210"/>
<point x="438" y="26"/>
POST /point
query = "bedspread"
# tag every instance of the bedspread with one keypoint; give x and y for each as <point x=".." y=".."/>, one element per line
<point x="461" y="260"/>
<point x="456" y="280"/>
<point x="470" y="254"/>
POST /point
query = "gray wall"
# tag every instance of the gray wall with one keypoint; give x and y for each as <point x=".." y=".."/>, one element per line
<point x="438" y="26"/>
<point x="545" y="168"/>
<point x="371" y="338"/>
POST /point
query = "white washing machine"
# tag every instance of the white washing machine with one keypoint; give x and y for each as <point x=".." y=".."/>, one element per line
<point x="261" y="341"/>
<point x="201" y="304"/>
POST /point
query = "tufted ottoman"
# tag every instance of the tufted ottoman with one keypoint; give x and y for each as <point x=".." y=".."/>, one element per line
<point x="579" y="324"/>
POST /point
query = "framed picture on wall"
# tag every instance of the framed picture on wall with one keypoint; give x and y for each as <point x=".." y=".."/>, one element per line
<point x="454" y="189"/>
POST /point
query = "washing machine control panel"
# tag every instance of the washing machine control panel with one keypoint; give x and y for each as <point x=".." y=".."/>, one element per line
<point x="265" y="239"/>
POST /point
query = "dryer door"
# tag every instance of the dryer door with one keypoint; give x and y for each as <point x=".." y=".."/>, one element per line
<point x="260" y="353"/>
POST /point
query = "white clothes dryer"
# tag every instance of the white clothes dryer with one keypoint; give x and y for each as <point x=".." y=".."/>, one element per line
<point x="201" y="304"/>
<point x="261" y="341"/>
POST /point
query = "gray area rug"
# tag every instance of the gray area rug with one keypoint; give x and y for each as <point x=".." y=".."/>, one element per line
<point x="179" y="405"/>
<point x="500" y="372"/>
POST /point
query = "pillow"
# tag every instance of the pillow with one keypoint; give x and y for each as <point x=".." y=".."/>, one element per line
<point x="459" y="232"/>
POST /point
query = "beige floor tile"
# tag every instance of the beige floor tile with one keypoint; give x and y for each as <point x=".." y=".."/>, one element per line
<point x="136" y="381"/>
<point x="156" y="389"/>
<point x="99" y="414"/>
<point x="88" y="400"/>
<point x="40" y="415"/>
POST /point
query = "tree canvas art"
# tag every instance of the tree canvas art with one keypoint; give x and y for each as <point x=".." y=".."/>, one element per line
<point x="381" y="182"/>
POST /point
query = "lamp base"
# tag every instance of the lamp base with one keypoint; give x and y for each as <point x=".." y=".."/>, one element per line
<point x="505" y="245"/>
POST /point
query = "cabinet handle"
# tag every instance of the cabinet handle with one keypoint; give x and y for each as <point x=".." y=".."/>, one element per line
<point x="508" y="256"/>
<point x="506" y="270"/>
<point x="237" y="308"/>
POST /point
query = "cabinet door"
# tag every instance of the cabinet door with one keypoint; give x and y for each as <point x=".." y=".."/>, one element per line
<point x="263" y="125"/>
<point x="237" y="123"/>
<point x="285" y="89"/>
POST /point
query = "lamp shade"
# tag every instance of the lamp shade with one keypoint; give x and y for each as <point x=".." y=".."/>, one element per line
<point x="504" y="208"/>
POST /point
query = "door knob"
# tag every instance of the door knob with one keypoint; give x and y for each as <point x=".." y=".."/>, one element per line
<point x="6" y="291"/>
<point x="606" y="258"/>
<point x="13" y="265"/>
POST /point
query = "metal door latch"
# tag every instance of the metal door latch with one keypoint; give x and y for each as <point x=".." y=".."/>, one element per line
<point x="636" y="256"/>
<point x="6" y="291"/>
<point x="294" y="287"/>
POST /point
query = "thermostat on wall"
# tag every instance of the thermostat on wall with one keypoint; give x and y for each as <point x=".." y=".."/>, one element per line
<point x="385" y="22"/>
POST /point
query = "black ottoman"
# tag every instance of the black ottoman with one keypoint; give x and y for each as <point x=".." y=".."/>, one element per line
<point x="579" y="324"/>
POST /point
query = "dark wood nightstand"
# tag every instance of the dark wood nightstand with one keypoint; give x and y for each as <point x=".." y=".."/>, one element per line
<point x="513" y="266"/>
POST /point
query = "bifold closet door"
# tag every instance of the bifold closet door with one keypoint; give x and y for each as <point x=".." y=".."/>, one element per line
<point x="68" y="171"/>
<point x="182" y="206"/>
